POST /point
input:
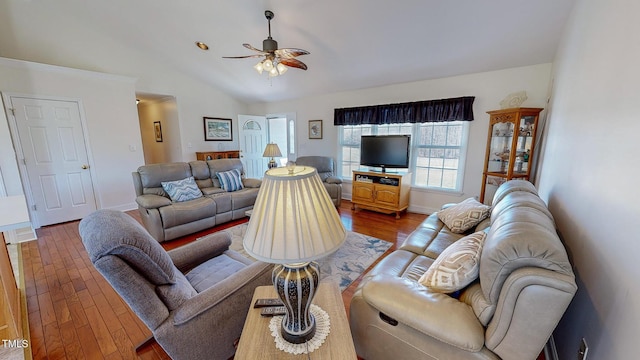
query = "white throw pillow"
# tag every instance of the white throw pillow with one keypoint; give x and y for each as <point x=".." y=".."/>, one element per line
<point x="464" y="215"/>
<point x="457" y="266"/>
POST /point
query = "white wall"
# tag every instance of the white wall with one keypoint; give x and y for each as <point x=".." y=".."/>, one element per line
<point x="489" y="89"/>
<point x="589" y="176"/>
<point x="111" y="118"/>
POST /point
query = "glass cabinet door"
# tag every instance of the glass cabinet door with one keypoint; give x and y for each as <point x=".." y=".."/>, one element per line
<point x="500" y="148"/>
<point x="526" y="131"/>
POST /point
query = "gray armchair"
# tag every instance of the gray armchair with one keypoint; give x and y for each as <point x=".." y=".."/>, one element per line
<point x="194" y="299"/>
<point x="327" y="170"/>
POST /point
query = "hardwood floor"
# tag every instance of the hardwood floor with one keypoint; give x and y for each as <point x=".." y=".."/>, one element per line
<point x="75" y="314"/>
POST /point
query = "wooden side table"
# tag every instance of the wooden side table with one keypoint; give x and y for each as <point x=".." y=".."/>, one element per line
<point x="257" y="342"/>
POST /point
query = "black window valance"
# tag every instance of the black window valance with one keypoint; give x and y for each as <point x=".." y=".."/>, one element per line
<point x="412" y="112"/>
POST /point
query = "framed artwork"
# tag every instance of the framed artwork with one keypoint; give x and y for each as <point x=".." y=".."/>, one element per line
<point x="157" y="129"/>
<point x="217" y="129"/>
<point x="315" y="129"/>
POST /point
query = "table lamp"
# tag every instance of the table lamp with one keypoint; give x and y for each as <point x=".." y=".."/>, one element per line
<point x="293" y="223"/>
<point x="272" y="150"/>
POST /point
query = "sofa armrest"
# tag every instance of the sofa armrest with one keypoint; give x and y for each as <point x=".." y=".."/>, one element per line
<point x="256" y="274"/>
<point x="150" y="201"/>
<point x="193" y="254"/>
<point x="434" y="314"/>
<point x="333" y="180"/>
<point x="251" y="183"/>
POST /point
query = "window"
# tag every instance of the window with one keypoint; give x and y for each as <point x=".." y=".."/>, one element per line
<point x="437" y="151"/>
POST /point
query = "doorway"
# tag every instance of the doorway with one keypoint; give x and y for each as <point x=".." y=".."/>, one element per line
<point x="159" y="128"/>
<point x="51" y="149"/>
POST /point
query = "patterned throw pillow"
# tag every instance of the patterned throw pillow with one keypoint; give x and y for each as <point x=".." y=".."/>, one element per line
<point x="182" y="190"/>
<point x="230" y="180"/>
<point x="457" y="266"/>
<point x="464" y="215"/>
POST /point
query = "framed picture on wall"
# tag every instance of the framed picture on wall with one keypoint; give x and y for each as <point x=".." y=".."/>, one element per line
<point x="157" y="129"/>
<point x="315" y="129"/>
<point x="217" y="129"/>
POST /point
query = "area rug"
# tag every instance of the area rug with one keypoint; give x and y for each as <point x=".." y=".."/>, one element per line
<point x="343" y="266"/>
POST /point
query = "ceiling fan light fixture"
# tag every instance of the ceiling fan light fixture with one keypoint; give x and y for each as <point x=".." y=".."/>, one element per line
<point x="267" y="64"/>
<point x="273" y="55"/>
<point x="281" y="68"/>
<point x="259" y="68"/>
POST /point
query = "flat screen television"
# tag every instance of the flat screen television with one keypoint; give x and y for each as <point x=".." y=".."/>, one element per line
<point x="385" y="151"/>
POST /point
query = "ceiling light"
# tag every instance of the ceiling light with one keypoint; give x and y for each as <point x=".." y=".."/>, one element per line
<point x="281" y="68"/>
<point x="267" y="65"/>
<point x="202" y="45"/>
<point x="259" y="68"/>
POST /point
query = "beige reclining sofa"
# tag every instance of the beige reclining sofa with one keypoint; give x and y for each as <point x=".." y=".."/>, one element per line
<point x="508" y="311"/>
<point x="166" y="219"/>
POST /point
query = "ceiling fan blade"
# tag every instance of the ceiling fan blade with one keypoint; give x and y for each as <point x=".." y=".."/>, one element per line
<point x="248" y="46"/>
<point x="289" y="53"/>
<point x="242" y="57"/>
<point x="293" y="63"/>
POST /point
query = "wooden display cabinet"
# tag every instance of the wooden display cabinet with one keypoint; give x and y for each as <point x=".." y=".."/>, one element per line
<point x="510" y="147"/>
<point x="382" y="192"/>
<point x="212" y="155"/>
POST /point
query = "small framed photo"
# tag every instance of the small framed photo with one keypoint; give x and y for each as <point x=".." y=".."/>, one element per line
<point x="157" y="129"/>
<point x="315" y="129"/>
<point x="217" y="129"/>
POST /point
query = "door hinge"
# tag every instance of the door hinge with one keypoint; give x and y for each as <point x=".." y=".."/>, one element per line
<point x="24" y="161"/>
<point x="34" y="208"/>
<point x="13" y="111"/>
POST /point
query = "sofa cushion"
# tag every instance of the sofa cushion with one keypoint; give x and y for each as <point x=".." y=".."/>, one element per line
<point x="200" y="172"/>
<point x="457" y="266"/>
<point x="182" y="190"/>
<point x="244" y="199"/>
<point x="464" y="215"/>
<point x="230" y="180"/>
<point x="151" y="176"/>
<point x="187" y="211"/>
<point x="213" y="271"/>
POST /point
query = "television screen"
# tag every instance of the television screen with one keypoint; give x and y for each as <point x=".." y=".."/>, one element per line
<point x="387" y="151"/>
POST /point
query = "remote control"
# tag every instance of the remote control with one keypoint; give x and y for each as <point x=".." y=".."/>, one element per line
<point x="272" y="311"/>
<point x="267" y="302"/>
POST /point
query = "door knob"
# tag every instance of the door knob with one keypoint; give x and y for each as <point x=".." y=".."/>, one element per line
<point x="85" y="166"/>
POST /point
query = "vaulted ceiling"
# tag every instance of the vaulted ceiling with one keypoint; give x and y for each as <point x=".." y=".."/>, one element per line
<point x="353" y="44"/>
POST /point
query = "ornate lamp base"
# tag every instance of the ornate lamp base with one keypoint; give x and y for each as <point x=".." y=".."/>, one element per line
<point x="272" y="163"/>
<point x="296" y="286"/>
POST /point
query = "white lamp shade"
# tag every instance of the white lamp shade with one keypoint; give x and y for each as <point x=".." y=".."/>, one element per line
<point x="293" y="219"/>
<point x="272" y="150"/>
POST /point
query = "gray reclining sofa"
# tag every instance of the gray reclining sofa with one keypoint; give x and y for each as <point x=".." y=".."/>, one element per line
<point x="168" y="220"/>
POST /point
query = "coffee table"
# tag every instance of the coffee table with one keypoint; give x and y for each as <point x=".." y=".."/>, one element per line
<point x="257" y="342"/>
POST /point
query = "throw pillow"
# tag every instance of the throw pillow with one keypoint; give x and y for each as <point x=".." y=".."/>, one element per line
<point x="457" y="266"/>
<point x="230" y="180"/>
<point x="182" y="190"/>
<point x="464" y="215"/>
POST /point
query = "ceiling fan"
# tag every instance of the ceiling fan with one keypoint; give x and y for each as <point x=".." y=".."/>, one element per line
<point x="275" y="60"/>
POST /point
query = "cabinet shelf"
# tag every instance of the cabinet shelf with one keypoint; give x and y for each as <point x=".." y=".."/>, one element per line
<point x="510" y="145"/>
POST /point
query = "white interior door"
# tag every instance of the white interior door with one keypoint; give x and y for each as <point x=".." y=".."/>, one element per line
<point x="252" y="137"/>
<point x="55" y="159"/>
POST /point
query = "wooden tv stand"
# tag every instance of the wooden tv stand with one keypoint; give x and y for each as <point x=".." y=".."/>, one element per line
<point x="382" y="192"/>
